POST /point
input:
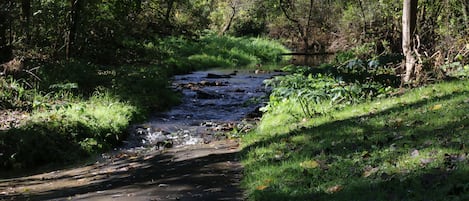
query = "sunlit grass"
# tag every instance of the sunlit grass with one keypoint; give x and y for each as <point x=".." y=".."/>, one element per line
<point x="67" y="131"/>
<point x="212" y="51"/>
<point x="407" y="147"/>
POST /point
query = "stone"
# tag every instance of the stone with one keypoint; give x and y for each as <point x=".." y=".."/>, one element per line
<point x="216" y="76"/>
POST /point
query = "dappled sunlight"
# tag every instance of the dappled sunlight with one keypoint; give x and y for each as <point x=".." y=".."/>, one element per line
<point x="179" y="171"/>
<point x="405" y="147"/>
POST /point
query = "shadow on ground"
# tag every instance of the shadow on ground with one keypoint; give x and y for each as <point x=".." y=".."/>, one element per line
<point x="203" y="172"/>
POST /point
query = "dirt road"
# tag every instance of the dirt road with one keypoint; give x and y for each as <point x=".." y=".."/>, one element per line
<point x="198" y="172"/>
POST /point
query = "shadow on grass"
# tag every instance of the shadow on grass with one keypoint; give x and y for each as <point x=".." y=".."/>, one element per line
<point x="367" y="157"/>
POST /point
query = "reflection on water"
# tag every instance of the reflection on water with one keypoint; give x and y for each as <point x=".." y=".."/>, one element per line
<point x="312" y="60"/>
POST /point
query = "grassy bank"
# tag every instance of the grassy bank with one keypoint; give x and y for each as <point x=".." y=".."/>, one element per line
<point x="78" y="108"/>
<point x="181" y="55"/>
<point x="405" y="147"/>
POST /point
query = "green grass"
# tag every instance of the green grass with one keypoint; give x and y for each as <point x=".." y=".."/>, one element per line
<point x="67" y="131"/>
<point x="182" y="55"/>
<point x="408" y="147"/>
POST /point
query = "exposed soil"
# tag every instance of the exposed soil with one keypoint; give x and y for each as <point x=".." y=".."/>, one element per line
<point x="197" y="172"/>
<point x="12" y="119"/>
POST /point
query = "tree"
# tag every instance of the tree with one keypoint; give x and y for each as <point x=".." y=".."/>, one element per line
<point x="5" y="49"/>
<point x="310" y="20"/>
<point x="75" y="9"/>
<point x="26" y="18"/>
<point x="233" y="4"/>
<point x="303" y="23"/>
<point x="409" y="21"/>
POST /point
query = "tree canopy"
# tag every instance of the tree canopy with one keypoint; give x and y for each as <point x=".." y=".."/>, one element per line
<point x="100" y="31"/>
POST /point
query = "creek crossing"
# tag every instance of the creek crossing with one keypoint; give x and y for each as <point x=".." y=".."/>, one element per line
<point x="214" y="104"/>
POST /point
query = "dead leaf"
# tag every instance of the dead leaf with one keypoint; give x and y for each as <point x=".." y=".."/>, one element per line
<point x="335" y="189"/>
<point x="398" y="122"/>
<point x="436" y="107"/>
<point x="311" y="164"/>
<point x="426" y="161"/>
<point x="261" y="187"/>
<point x="366" y="155"/>
<point x="415" y="153"/>
<point x="369" y="171"/>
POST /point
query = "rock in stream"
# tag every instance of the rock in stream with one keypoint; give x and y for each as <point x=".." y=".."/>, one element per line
<point x="214" y="103"/>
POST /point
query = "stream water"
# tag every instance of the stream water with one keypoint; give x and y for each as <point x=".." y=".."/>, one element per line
<point x="214" y="103"/>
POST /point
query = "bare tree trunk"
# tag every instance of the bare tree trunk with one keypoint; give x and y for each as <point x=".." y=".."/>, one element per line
<point x="304" y="29"/>
<point x="308" y="29"/>
<point x="234" y="10"/>
<point x="464" y="9"/>
<point x="75" y="6"/>
<point x="5" y="49"/>
<point x="169" y="10"/>
<point x="26" y="15"/>
<point x="363" y="16"/>
<point x="409" y="20"/>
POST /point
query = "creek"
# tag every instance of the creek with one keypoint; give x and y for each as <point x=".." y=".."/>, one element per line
<point x="215" y="104"/>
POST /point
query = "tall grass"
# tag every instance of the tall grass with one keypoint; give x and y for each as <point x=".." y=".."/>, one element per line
<point x="66" y="132"/>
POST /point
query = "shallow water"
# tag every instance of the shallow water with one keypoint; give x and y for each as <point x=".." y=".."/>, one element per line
<point x="210" y="108"/>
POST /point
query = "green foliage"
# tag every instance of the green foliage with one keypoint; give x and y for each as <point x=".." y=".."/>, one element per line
<point x="317" y="94"/>
<point x="180" y="55"/>
<point x="409" y="147"/>
<point x="456" y="69"/>
<point x="142" y="85"/>
<point x="66" y="132"/>
<point x="208" y="51"/>
<point x="363" y="23"/>
<point x="14" y="94"/>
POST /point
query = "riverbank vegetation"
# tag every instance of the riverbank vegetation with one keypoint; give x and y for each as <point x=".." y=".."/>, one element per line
<point x="77" y="108"/>
<point x="382" y="120"/>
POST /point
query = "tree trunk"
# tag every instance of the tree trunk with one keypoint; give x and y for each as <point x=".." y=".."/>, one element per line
<point x="5" y="49"/>
<point x="230" y="20"/>
<point x="169" y="10"/>
<point x="304" y="29"/>
<point x="464" y="9"/>
<point x="26" y="15"/>
<point x="409" y="20"/>
<point x="75" y="6"/>
<point x="360" y="3"/>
